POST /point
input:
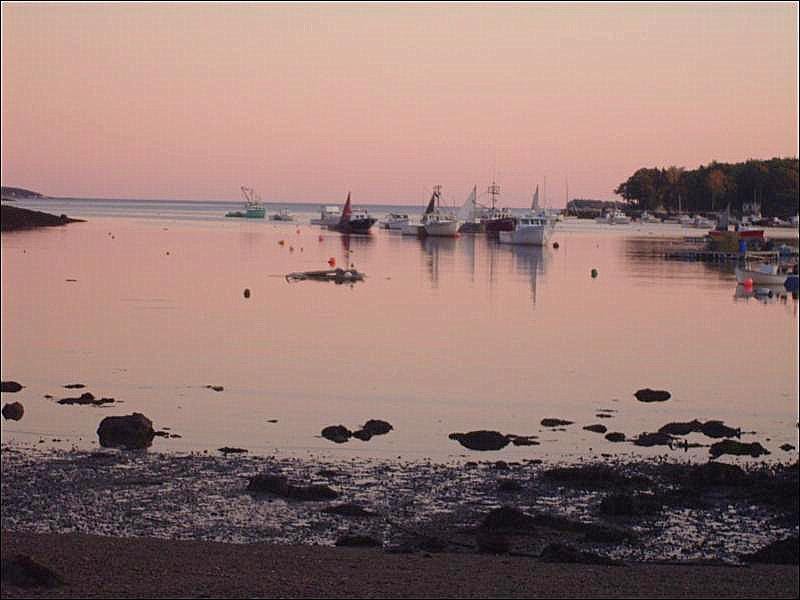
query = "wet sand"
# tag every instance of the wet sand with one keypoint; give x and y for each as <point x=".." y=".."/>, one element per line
<point x="96" y="567"/>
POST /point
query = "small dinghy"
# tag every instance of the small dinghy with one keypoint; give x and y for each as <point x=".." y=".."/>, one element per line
<point x="336" y="275"/>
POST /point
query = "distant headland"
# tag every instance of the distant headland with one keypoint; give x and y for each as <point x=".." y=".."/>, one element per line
<point x="14" y="218"/>
<point x="15" y="193"/>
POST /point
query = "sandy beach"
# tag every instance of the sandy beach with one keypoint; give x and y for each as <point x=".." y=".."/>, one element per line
<point x="98" y="567"/>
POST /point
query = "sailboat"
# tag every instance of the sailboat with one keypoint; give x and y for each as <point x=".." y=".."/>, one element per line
<point x="531" y="229"/>
<point x="470" y="215"/>
<point x="418" y="229"/>
<point x="353" y="221"/>
<point x="436" y="222"/>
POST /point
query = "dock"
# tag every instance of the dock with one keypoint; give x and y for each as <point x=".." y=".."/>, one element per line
<point x="702" y="255"/>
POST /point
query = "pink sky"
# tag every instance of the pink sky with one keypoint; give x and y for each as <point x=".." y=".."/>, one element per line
<point x="304" y="102"/>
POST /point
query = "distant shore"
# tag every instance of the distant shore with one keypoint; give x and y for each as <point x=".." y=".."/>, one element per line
<point x="14" y="218"/>
<point x="95" y="567"/>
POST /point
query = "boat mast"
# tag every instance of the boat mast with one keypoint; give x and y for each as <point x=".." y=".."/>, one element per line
<point x="494" y="191"/>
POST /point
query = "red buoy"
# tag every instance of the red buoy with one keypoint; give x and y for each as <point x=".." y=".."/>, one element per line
<point x="332" y="261"/>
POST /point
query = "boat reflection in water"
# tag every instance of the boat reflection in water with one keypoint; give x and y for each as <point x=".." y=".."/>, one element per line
<point x="529" y="260"/>
<point x="437" y="250"/>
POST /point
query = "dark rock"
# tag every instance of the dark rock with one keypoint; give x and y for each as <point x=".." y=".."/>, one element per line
<point x="681" y="428"/>
<point x="508" y="485"/>
<point x="481" y="440"/>
<point x="87" y="399"/>
<point x="129" y="431"/>
<point x="13" y="411"/>
<point x="653" y="439"/>
<point x="23" y="571"/>
<point x="500" y="465"/>
<point x="648" y="395"/>
<point x="377" y="427"/>
<point x="787" y="447"/>
<point x="337" y="433"/>
<point x="555" y="422"/>
<point x="615" y="436"/>
<point x="733" y="447"/>
<point x="523" y="440"/>
<point x="231" y="450"/>
<point x="508" y="519"/>
<point x="593" y="476"/>
<point x="74" y="386"/>
<point x="562" y="553"/>
<point x="596" y="428"/>
<point x="362" y="435"/>
<point x="358" y="541"/>
<point x="716" y="473"/>
<point x="491" y="542"/>
<point x="10" y="386"/>
<point x="216" y="388"/>
<point x="280" y="486"/>
<point x="717" y="429"/>
<point x="782" y="552"/>
<point x="604" y="416"/>
<point x="349" y="510"/>
<point x="629" y="505"/>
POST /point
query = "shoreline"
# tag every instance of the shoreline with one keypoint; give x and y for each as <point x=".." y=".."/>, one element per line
<point x="608" y="511"/>
<point x="94" y="566"/>
<point x="14" y="218"/>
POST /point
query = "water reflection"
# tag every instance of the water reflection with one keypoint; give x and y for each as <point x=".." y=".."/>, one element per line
<point x="438" y="253"/>
<point x="529" y="260"/>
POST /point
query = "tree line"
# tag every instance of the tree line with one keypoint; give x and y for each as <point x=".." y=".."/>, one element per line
<point x="771" y="184"/>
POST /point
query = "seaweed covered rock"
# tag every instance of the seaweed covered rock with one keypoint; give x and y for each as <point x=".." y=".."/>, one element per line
<point x="13" y="411"/>
<point x="377" y="427"/>
<point x="648" y="395"/>
<point x="337" y="433"/>
<point x="128" y="431"/>
<point x="279" y="485"/>
<point x="481" y="440"/>
<point x="10" y="386"/>
<point x="507" y="518"/>
<point x="737" y="448"/>
<point x="782" y="552"/>
<point x="556" y="422"/>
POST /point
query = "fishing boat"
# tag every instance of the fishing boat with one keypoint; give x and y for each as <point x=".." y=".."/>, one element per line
<point x="762" y="268"/>
<point x="394" y="221"/>
<point x="437" y="222"/>
<point x="328" y="215"/>
<point x="497" y="219"/>
<point x="353" y="221"/>
<point x="531" y="229"/>
<point x="282" y="215"/>
<point x="253" y="209"/>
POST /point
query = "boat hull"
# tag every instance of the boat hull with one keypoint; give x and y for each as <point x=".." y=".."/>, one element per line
<point x="759" y="277"/>
<point x="359" y="226"/>
<point x="526" y="236"/>
<point x="442" y="229"/>
<point x="495" y="226"/>
<point x="413" y="229"/>
<point x="472" y="227"/>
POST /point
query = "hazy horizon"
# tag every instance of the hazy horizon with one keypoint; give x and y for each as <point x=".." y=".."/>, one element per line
<point x="304" y="102"/>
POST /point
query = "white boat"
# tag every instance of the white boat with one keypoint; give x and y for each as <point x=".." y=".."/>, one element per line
<point x="395" y="221"/>
<point x="700" y="222"/>
<point x="440" y="224"/>
<point x="614" y="217"/>
<point x="762" y="268"/>
<point x="282" y="215"/>
<point x="531" y="229"/>
<point x="437" y="222"/>
<point x="649" y="218"/>
<point x="328" y="215"/>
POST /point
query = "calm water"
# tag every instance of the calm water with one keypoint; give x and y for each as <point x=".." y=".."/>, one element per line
<point x="444" y="335"/>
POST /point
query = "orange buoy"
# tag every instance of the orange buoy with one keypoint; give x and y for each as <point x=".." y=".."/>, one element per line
<point x="281" y="243"/>
<point x="298" y="231"/>
<point x="748" y="283"/>
<point x="332" y="261"/>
